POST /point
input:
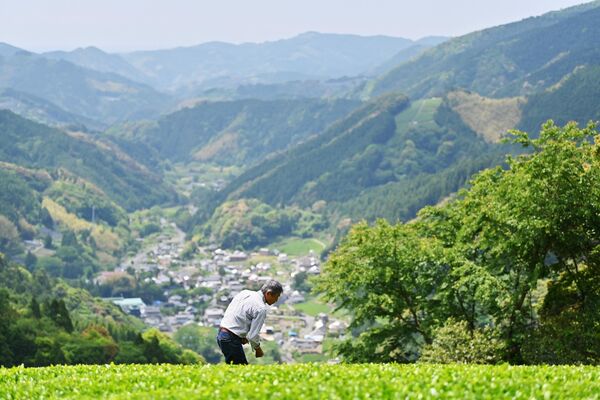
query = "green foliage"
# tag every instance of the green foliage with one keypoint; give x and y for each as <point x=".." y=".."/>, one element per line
<point x="33" y="145"/>
<point x="455" y="343"/>
<point x="250" y="223"/>
<point x="480" y="258"/>
<point x="574" y="99"/>
<point x="387" y="160"/>
<point x="201" y="340"/>
<point x="160" y="348"/>
<point x="385" y="274"/>
<point x="149" y="229"/>
<point x="18" y="199"/>
<point x="240" y="132"/>
<point x="85" y="201"/>
<point x="306" y="381"/>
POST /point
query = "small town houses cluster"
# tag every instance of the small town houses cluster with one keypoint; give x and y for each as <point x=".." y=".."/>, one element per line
<point x="224" y="274"/>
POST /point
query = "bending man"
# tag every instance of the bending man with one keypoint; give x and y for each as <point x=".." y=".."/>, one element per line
<point x="243" y="320"/>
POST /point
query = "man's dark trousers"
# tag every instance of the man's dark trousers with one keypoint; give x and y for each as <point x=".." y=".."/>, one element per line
<point x="231" y="346"/>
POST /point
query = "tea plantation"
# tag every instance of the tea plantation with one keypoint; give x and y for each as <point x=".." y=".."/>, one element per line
<point x="303" y="381"/>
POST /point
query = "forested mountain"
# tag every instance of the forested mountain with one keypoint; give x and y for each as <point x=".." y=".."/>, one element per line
<point x="33" y="145"/>
<point x="343" y="87"/>
<point x="419" y="47"/>
<point x="387" y="159"/>
<point x="105" y="97"/>
<point x="43" y="111"/>
<point x="237" y="132"/>
<point x="575" y="98"/>
<point x="514" y="59"/>
<point x="310" y="55"/>
<point x="95" y="59"/>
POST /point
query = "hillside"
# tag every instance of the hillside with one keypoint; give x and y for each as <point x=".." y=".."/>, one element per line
<point x="33" y="145"/>
<point x="574" y="98"/>
<point x="95" y="59"/>
<point x="387" y="159"/>
<point x="100" y="96"/>
<point x="43" y="111"/>
<point x="509" y="60"/>
<point x="237" y="132"/>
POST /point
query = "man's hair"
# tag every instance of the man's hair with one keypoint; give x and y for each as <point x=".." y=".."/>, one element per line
<point x="272" y="286"/>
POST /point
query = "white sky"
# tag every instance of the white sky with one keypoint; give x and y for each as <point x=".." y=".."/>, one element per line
<point x="125" y="25"/>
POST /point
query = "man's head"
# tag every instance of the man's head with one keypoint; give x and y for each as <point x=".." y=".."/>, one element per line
<point x="272" y="290"/>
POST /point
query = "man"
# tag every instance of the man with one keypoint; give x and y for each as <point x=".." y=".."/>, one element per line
<point x="243" y="319"/>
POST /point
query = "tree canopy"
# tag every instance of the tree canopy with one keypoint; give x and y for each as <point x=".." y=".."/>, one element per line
<point x="517" y="254"/>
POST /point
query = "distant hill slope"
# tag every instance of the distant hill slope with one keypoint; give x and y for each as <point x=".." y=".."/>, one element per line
<point x="95" y="59"/>
<point x="519" y="58"/>
<point x="575" y="98"/>
<point x="310" y="55"/>
<point x="33" y="145"/>
<point x="413" y="51"/>
<point x="239" y="132"/>
<point x="387" y="159"/>
<point x="6" y="50"/>
<point x="95" y="95"/>
<point x="43" y="111"/>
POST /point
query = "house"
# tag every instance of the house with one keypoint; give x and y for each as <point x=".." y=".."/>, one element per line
<point x="151" y="312"/>
<point x="337" y="328"/>
<point x="184" y="318"/>
<point x="296" y="297"/>
<point x="134" y="306"/>
<point x="306" y="345"/>
<point x="213" y="316"/>
<point x="238" y="256"/>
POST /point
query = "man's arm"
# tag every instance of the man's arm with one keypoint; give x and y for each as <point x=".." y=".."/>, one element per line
<point x="254" y="333"/>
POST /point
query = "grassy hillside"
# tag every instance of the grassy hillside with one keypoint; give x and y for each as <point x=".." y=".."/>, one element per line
<point x="510" y="60"/>
<point x="308" y="381"/>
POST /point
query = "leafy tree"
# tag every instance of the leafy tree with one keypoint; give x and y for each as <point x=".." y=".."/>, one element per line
<point x="30" y="260"/>
<point x="200" y="340"/>
<point x="456" y="343"/>
<point x="57" y="311"/>
<point x="387" y="275"/>
<point x="481" y="258"/>
<point x="9" y="236"/>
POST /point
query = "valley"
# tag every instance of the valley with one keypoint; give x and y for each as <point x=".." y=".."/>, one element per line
<point x="387" y="183"/>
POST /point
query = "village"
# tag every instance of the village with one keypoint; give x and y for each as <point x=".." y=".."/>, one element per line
<point x="206" y="284"/>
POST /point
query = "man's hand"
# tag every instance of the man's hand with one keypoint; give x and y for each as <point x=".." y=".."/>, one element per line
<point x="244" y="341"/>
<point x="259" y="353"/>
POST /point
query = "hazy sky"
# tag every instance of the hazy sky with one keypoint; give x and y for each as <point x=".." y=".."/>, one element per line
<point x="124" y="25"/>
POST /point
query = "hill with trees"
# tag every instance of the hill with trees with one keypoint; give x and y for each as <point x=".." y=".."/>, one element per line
<point x="515" y="59"/>
<point x="101" y="96"/>
<point x="32" y="145"/>
<point x="44" y="322"/>
<point x="387" y="159"/>
<point x="236" y="132"/>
